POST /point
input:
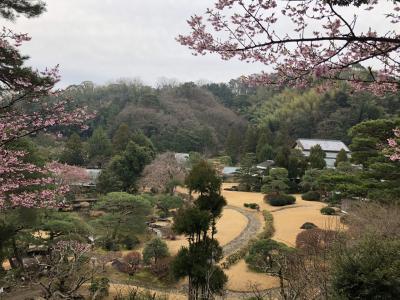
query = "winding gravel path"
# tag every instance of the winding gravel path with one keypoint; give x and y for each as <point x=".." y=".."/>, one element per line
<point x="253" y="227"/>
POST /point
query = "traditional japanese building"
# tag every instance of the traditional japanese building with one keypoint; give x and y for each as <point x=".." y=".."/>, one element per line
<point x="330" y="147"/>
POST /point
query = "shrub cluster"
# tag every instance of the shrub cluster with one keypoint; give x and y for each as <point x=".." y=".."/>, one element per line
<point x="311" y="196"/>
<point x="252" y="205"/>
<point x="124" y="242"/>
<point x="280" y="200"/>
<point x="236" y="256"/>
<point x="328" y="211"/>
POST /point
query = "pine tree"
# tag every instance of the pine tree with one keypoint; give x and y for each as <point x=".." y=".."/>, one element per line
<point x="73" y="153"/>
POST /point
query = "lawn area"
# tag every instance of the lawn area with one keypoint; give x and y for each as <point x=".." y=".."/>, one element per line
<point x="229" y="226"/>
<point x="287" y="222"/>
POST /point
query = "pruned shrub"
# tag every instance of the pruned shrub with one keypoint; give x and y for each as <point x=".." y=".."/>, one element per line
<point x="280" y="200"/>
<point x="108" y="244"/>
<point x="308" y="225"/>
<point x="130" y="242"/>
<point x="311" y="196"/>
<point x="328" y="211"/>
<point x="252" y="206"/>
<point x="243" y="187"/>
<point x="260" y="254"/>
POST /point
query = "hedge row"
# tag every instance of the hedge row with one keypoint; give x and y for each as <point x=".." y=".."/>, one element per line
<point x="252" y="205"/>
<point x="328" y="211"/>
<point x="267" y="233"/>
<point x="269" y="228"/>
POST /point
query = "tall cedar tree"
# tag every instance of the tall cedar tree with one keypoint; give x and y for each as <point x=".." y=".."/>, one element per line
<point x="199" y="260"/>
<point x="317" y="157"/>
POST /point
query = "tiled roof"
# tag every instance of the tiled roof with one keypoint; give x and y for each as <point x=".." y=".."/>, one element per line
<point x="326" y="145"/>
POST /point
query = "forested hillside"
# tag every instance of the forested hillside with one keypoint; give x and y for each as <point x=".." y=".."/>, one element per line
<point x="231" y="119"/>
<point x="179" y="118"/>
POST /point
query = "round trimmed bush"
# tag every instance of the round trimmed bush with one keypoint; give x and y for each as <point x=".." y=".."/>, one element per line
<point x="280" y="200"/>
<point x="308" y="225"/>
<point x="311" y="196"/>
<point x="328" y="211"/>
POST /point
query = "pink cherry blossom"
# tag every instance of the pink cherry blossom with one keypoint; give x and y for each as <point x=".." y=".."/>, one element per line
<point x="29" y="104"/>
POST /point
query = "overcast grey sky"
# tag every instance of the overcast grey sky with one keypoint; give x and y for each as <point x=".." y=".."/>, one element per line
<point x="105" y="40"/>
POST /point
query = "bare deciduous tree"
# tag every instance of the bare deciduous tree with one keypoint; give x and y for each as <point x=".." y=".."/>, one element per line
<point x="163" y="174"/>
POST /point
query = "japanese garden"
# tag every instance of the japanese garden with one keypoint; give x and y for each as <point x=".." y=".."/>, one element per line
<point x="283" y="183"/>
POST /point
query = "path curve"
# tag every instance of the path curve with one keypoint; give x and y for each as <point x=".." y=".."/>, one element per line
<point x="252" y="228"/>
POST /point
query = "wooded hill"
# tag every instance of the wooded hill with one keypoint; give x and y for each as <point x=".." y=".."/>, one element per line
<point x="231" y="118"/>
<point x="179" y="118"/>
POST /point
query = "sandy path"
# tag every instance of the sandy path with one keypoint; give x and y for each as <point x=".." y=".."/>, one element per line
<point x="254" y="225"/>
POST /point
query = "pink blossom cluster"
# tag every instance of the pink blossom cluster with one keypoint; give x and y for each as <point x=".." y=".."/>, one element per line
<point x="394" y="145"/>
<point x="71" y="246"/>
<point x="24" y="184"/>
<point x="66" y="174"/>
<point x="321" y="43"/>
<point x="28" y="104"/>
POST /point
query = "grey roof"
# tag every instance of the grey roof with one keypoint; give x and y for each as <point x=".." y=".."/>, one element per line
<point x="93" y="175"/>
<point x="229" y="170"/>
<point x="326" y="145"/>
<point x="265" y="164"/>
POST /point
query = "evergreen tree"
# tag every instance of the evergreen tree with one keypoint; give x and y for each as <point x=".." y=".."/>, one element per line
<point x="276" y="182"/>
<point x="341" y="157"/>
<point x="140" y="139"/>
<point x="317" y="157"/>
<point x="282" y="157"/>
<point x="297" y="164"/>
<point x="248" y="175"/>
<point x="155" y="250"/>
<point x="199" y="260"/>
<point x="125" y="214"/>
<point x="123" y="171"/>
<point x="121" y="138"/>
<point x="250" y="140"/>
<point x="264" y="150"/>
<point x="203" y="179"/>
<point x="233" y="145"/>
<point x="73" y="153"/>
<point x="99" y="147"/>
